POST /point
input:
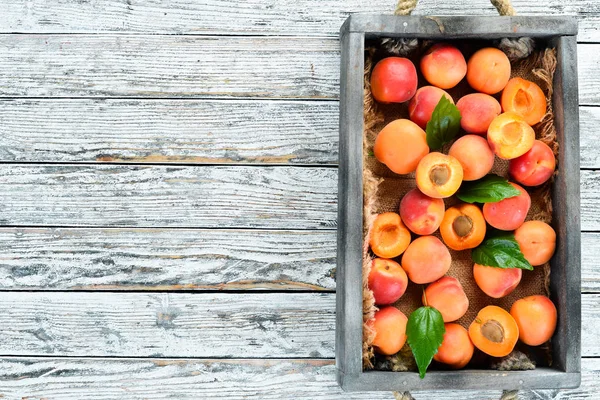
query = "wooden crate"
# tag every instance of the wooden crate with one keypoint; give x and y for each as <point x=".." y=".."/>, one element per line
<point x="565" y="265"/>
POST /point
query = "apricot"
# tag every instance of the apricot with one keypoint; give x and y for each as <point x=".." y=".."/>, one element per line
<point x="420" y="213"/>
<point x="536" y="318"/>
<point x="389" y="237"/>
<point x="488" y="70"/>
<point x="389" y="325"/>
<point x="387" y="281"/>
<point x="510" y="213"/>
<point x="443" y="65"/>
<point x="509" y="136"/>
<point x="537" y="241"/>
<point x="494" y="331"/>
<point x="463" y="227"/>
<point x="456" y="349"/>
<point x="438" y="175"/>
<point x="421" y="106"/>
<point x="448" y="297"/>
<point x="426" y="260"/>
<point x="394" y="80"/>
<point x="474" y="155"/>
<point x="524" y="98"/>
<point x="477" y="111"/>
<point x="400" y="145"/>
<point x="534" y="167"/>
<point x="496" y="282"/>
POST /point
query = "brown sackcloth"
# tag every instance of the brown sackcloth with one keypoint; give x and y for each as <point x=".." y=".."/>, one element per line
<point x="384" y="189"/>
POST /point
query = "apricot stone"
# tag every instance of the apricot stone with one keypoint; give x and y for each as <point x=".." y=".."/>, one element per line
<point x="536" y="317"/>
<point x="421" y="106"/>
<point x="463" y="227"/>
<point x="394" y="80"/>
<point x="420" y="213"/>
<point x="426" y="260"/>
<point x="537" y="241"/>
<point x="509" y="136"/>
<point x="438" y="175"/>
<point x="448" y="297"/>
<point x="389" y="237"/>
<point x="387" y="280"/>
<point x="474" y="155"/>
<point x="400" y="145"/>
<point x="488" y="70"/>
<point x="389" y="325"/>
<point x="456" y="349"/>
<point x="534" y="167"/>
<point x="443" y="65"/>
<point x="510" y="213"/>
<point x="477" y="111"/>
<point x="496" y="282"/>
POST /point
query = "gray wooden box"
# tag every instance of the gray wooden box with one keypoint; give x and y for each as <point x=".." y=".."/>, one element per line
<point x="566" y="265"/>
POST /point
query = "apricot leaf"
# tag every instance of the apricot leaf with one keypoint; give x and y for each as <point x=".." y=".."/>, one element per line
<point x="500" y="250"/>
<point x="489" y="189"/>
<point x="425" y="330"/>
<point x="443" y="125"/>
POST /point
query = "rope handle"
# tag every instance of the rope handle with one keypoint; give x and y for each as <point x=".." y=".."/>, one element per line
<point x="504" y="7"/>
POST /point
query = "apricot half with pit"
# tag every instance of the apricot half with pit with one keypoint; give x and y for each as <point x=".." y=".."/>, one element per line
<point x="438" y="175"/>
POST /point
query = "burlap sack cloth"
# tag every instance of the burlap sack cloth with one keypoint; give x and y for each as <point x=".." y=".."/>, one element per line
<point x="384" y="189"/>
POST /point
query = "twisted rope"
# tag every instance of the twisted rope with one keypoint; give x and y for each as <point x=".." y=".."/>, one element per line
<point x="504" y="7"/>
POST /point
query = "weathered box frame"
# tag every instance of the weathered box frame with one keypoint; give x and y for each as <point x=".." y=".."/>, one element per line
<point x="560" y="32"/>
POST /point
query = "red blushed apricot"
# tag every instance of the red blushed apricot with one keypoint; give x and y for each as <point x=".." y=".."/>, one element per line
<point x="394" y="80"/>
<point x="389" y="237"/>
<point x="400" y="145"/>
<point x="448" y="297"/>
<point x="474" y="155"/>
<point x="509" y="136"/>
<point x="534" y="167"/>
<point x="420" y="213"/>
<point x="494" y="331"/>
<point x="438" y="175"/>
<point x="387" y="281"/>
<point x="477" y="111"/>
<point x="496" y="282"/>
<point x="426" y="259"/>
<point x="488" y="70"/>
<point x="536" y="317"/>
<point x="537" y="241"/>
<point x="443" y="65"/>
<point x="524" y="98"/>
<point x="389" y="325"/>
<point x="456" y="349"/>
<point x="421" y="106"/>
<point x="510" y="213"/>
<point x="463" y="227"/>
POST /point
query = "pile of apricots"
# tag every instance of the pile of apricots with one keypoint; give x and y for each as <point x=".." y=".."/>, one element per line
<point x="403" y="242"/>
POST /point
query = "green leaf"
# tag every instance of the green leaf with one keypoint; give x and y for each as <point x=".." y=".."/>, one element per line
<point x="443" y="125"/>
<point x="500" y="250"/>
<point x="488" y="189"/>
<point x="425" y="331"/>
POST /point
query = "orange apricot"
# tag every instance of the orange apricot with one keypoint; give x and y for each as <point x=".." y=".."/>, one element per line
<point x="534" y="167"/>
<point x="510" y="213"/>
<point x="389" y="325"/>
<point x="400" y="145"/>
<point x="463" y="227"/>
<point x="524" y="98"/>
<point x="443" y="65"/>
<point x="389" y="237"/>
<point x="387" y="280"/>
<point x="537" y="241"/>
<point x="474" y="155"/>
<point x="439" y="175"/>
<point x="509" y="136"/>
<point x="494" y="331"/>
<point x="488" y="70"/>
<point x="536" y="317"/>
<point x="448" y="297"/>
<point x="394" y="80"/>
<point x="426" y="259"/>
<point x="477" y="111"/>
<point x="456" y="349"/>
<point x="496" y="282"/>
<point x="421" y="106"/>
<point x="420" y="213"/>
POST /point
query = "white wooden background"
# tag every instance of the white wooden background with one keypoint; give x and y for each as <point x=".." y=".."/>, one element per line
<point x="168" y="196"/>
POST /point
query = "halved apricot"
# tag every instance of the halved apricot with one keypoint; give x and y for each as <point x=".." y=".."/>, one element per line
<point x="400" y="145"/>
<point x="494" y="331"/>
<point x="488" y="70"/>
<point x="438" y="175"/>
<point x="389" y="237"/>
<point x="463" y="227"/>
<point x="524" y="98"/>
<point x="510" y="136"/>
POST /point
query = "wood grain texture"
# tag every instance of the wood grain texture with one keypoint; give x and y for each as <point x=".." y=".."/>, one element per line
<point x="101" y="379"/>
<point x="254" y="17"/>
<point x="163" y="259"/>
<point x="183" y="196"/>
<point x="589" y="136"/>
<point x="169" y="131"/>
<point x="167" y="66"/>
<point x="590" y="204"/>
<point x="168" y="325"/>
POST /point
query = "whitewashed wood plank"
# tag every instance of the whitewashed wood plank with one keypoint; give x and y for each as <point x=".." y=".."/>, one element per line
<point x="589" y="136"/>
<point x="167" y="66"/>
<point x="162" y="259"/>
<point x="101" y="379"/>
<point x="273" y="17"/>
<point x="169" y="131"/>
<point x="590" y="254"/>
<point x="590" y="326"/>
<point x="156" y="196"/>
<point x="590" y="200"/>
